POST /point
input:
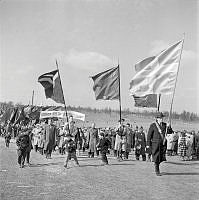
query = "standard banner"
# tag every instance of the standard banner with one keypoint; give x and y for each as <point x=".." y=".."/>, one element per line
<point x="61" y="114"/>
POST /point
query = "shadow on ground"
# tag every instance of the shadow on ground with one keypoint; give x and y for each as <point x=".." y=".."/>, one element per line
<point x="180" y="173"/>
<point x="180" y="163"/>
<point x="46" y="164"/>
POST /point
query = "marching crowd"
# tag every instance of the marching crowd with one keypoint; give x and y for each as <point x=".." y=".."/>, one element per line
<point x="45" y="137"/>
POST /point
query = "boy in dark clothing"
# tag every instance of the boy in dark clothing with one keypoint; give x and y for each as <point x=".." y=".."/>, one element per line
<point x="23" y="142"/>
<point x="70" y="148"/>
<point x="7" y="140"/>
<point x="103" y="146"/>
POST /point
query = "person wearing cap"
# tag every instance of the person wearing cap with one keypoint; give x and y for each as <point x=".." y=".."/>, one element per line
<point x="70" y="148"/>
<point x="103" y="146"/>
<point x="156" y="141"/>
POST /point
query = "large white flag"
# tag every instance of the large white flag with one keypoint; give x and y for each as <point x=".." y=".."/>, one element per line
<point x="157" y="76"/>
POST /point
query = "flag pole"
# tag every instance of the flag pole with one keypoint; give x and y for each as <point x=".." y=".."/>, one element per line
<point x="62" y="91"/>
<point x="32" y="97"/>
<point x="159" y="98"/>
<point x="119" y="94"/>
<point x="170" y="113"/>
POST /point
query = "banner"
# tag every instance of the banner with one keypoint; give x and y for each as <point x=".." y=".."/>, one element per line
<point x="62" y="114"/>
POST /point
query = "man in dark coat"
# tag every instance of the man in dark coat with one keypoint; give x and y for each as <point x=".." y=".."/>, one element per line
<point x="23" y="143"/>
<point x="103" y="146"/>
<point x="140" y="144"/>
<point x="156" y="141"/>
<point x="49" y="138"/>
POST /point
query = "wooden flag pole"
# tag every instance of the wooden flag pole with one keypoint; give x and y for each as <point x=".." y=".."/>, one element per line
<point x="159" y="98"/>
<point x="62" y="91"/>
<point x="120" y="94"/>
<point x="32" y="97"/>
<point x="170" y="113"/>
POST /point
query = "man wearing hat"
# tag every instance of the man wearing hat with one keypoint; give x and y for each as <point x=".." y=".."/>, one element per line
<point x="156" y="141"/>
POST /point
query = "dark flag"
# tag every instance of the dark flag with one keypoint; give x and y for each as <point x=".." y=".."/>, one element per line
<point x="52" y="85"/>
<point x="14" y="115"/>
<point x="149" y="101"/>
<point x="21" y="116"/>
<point x="106" y="84"/>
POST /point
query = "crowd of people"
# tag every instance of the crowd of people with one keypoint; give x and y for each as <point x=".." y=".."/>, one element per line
<point x="66" y="138"/>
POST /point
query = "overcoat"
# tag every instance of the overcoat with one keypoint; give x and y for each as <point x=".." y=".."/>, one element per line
<point x="140" y="142"/>
<point x="155" y="142"/>
<point x="49" y="137"/>
<point x="128" y="139"/>
<point x="93" y="137"/>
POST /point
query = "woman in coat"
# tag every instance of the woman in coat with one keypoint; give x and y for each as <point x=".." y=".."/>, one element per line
<point x="92" y="139"/>
<point x="182" y="146"/>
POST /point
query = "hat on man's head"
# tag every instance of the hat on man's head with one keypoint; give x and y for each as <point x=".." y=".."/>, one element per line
<point x="122" y="120"/>
<point x="102" y="133"/>
<point x="159" y="115"/>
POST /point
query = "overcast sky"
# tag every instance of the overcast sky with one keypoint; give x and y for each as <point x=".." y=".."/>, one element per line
<point x="87" y="37"/>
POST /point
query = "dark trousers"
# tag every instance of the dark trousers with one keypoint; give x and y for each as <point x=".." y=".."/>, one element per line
<point x="36" y="148"/>
<point x="91" y="154"/>
<point x="48" y="153"/>
<point x="157" y="168"/>
<point x="71" y="155"/>
<point x="104" y="158"/>
<point x="28" y="157"/>
<point x="21" y="156"/>
<point x="7" y="143"/>
<point x="137" y="155"/>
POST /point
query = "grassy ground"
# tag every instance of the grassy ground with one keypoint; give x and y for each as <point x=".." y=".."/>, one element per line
<point x="48" y="179"/>
<point x="105" y="120"/>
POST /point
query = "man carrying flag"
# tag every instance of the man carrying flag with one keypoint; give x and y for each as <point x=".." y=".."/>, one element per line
<point x="158" y="75"/>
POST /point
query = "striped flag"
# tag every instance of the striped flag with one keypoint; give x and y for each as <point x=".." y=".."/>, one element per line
<point x="150" y="100"/>
<point x="52" y="85"/>
<point x="159" y="75"/>
<point x="106" y="84"/>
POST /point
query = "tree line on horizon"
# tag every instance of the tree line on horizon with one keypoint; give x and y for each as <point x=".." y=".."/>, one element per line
<point x="184" y="115"/>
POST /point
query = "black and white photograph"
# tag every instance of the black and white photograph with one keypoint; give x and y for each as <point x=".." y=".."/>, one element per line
<point x="99" y="99"/>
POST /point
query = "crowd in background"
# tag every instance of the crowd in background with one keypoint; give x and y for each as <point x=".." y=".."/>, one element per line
<point x="46" y="137"/>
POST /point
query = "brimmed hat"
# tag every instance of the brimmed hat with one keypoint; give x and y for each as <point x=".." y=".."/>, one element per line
<point x="159" y="115"/>
<point x="122" y="120"/>
<point x="102" y="134"/>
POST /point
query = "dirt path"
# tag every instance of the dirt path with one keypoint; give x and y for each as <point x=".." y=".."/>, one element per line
<point x="48" y="179"/>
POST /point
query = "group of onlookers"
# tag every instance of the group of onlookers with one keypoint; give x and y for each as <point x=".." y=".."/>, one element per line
<point x="184" y="143"/>
<point x="46" y="137"/>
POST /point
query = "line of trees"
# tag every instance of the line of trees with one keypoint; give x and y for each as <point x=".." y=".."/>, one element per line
<point x="184" y="116"/>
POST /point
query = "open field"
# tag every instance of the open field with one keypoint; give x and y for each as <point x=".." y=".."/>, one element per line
<point x="104" y="120"/>
<point x="48" y="179"/>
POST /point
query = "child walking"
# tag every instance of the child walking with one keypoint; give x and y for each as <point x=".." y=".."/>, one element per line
<point x="103" y="146"/>
<point x="70" y="148"/>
